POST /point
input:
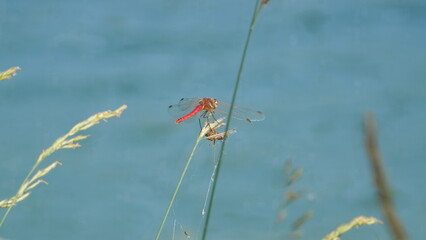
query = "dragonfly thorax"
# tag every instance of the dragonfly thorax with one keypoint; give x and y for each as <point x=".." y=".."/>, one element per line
<point x="208" y="104"/>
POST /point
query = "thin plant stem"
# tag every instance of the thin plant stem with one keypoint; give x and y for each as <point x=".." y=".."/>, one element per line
<point x="199" y="138"/>
<point x="382" y="185"/>
<point x="256" y="12"/>
<point x="67" y="141"/>
<point x="23" y="182"/>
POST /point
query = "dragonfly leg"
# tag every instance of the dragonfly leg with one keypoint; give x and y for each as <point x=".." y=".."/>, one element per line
<point x="199" y="122"/>
<point x="214" y="118"/>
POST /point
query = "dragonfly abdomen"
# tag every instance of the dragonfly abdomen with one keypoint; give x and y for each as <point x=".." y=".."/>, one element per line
<point x="196" y="110"/>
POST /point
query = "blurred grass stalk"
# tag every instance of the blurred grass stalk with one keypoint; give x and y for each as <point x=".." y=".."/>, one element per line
<point x="258" y="7"/>
<point x="358" y="221"/>
<point x="383" y="189"/>
<point x="9" y="73"/>
<point x="31" y="181"/>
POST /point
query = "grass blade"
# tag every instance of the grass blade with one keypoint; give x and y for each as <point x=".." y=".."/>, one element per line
<point x="257" y="9"/>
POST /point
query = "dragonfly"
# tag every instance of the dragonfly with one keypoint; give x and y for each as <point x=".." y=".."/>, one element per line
<point x="189" y="107"/>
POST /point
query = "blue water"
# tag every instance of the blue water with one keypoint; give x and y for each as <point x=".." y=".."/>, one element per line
<point x="313" y="67"/>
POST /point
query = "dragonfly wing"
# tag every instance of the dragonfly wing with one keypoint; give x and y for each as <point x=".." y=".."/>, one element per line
<point x="191" y="102"/>
<point x="185" y="103"/>
<point x="185" y="106"/>
<point x="241" y="113"/>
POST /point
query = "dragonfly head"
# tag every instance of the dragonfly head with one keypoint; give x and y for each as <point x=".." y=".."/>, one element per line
<point x="216" y="102"/>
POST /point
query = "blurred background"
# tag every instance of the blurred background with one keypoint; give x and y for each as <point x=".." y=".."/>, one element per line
<point x="313" y="67"/>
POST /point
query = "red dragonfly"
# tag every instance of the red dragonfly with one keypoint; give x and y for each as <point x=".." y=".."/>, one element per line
<point x="189" y="107"/>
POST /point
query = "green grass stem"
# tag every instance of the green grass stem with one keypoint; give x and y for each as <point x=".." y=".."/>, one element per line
<point x="258" y="7"/>
<point x="203" y="132"/>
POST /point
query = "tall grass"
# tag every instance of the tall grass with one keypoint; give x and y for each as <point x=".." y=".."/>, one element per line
<point x="69" y="140"/>
<point x="9" y="73"/>
<point x="257" y="8"/>
<point x="354" y="223"/>
<point x="382" y="185"/>
<point x="206" y="129"/>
